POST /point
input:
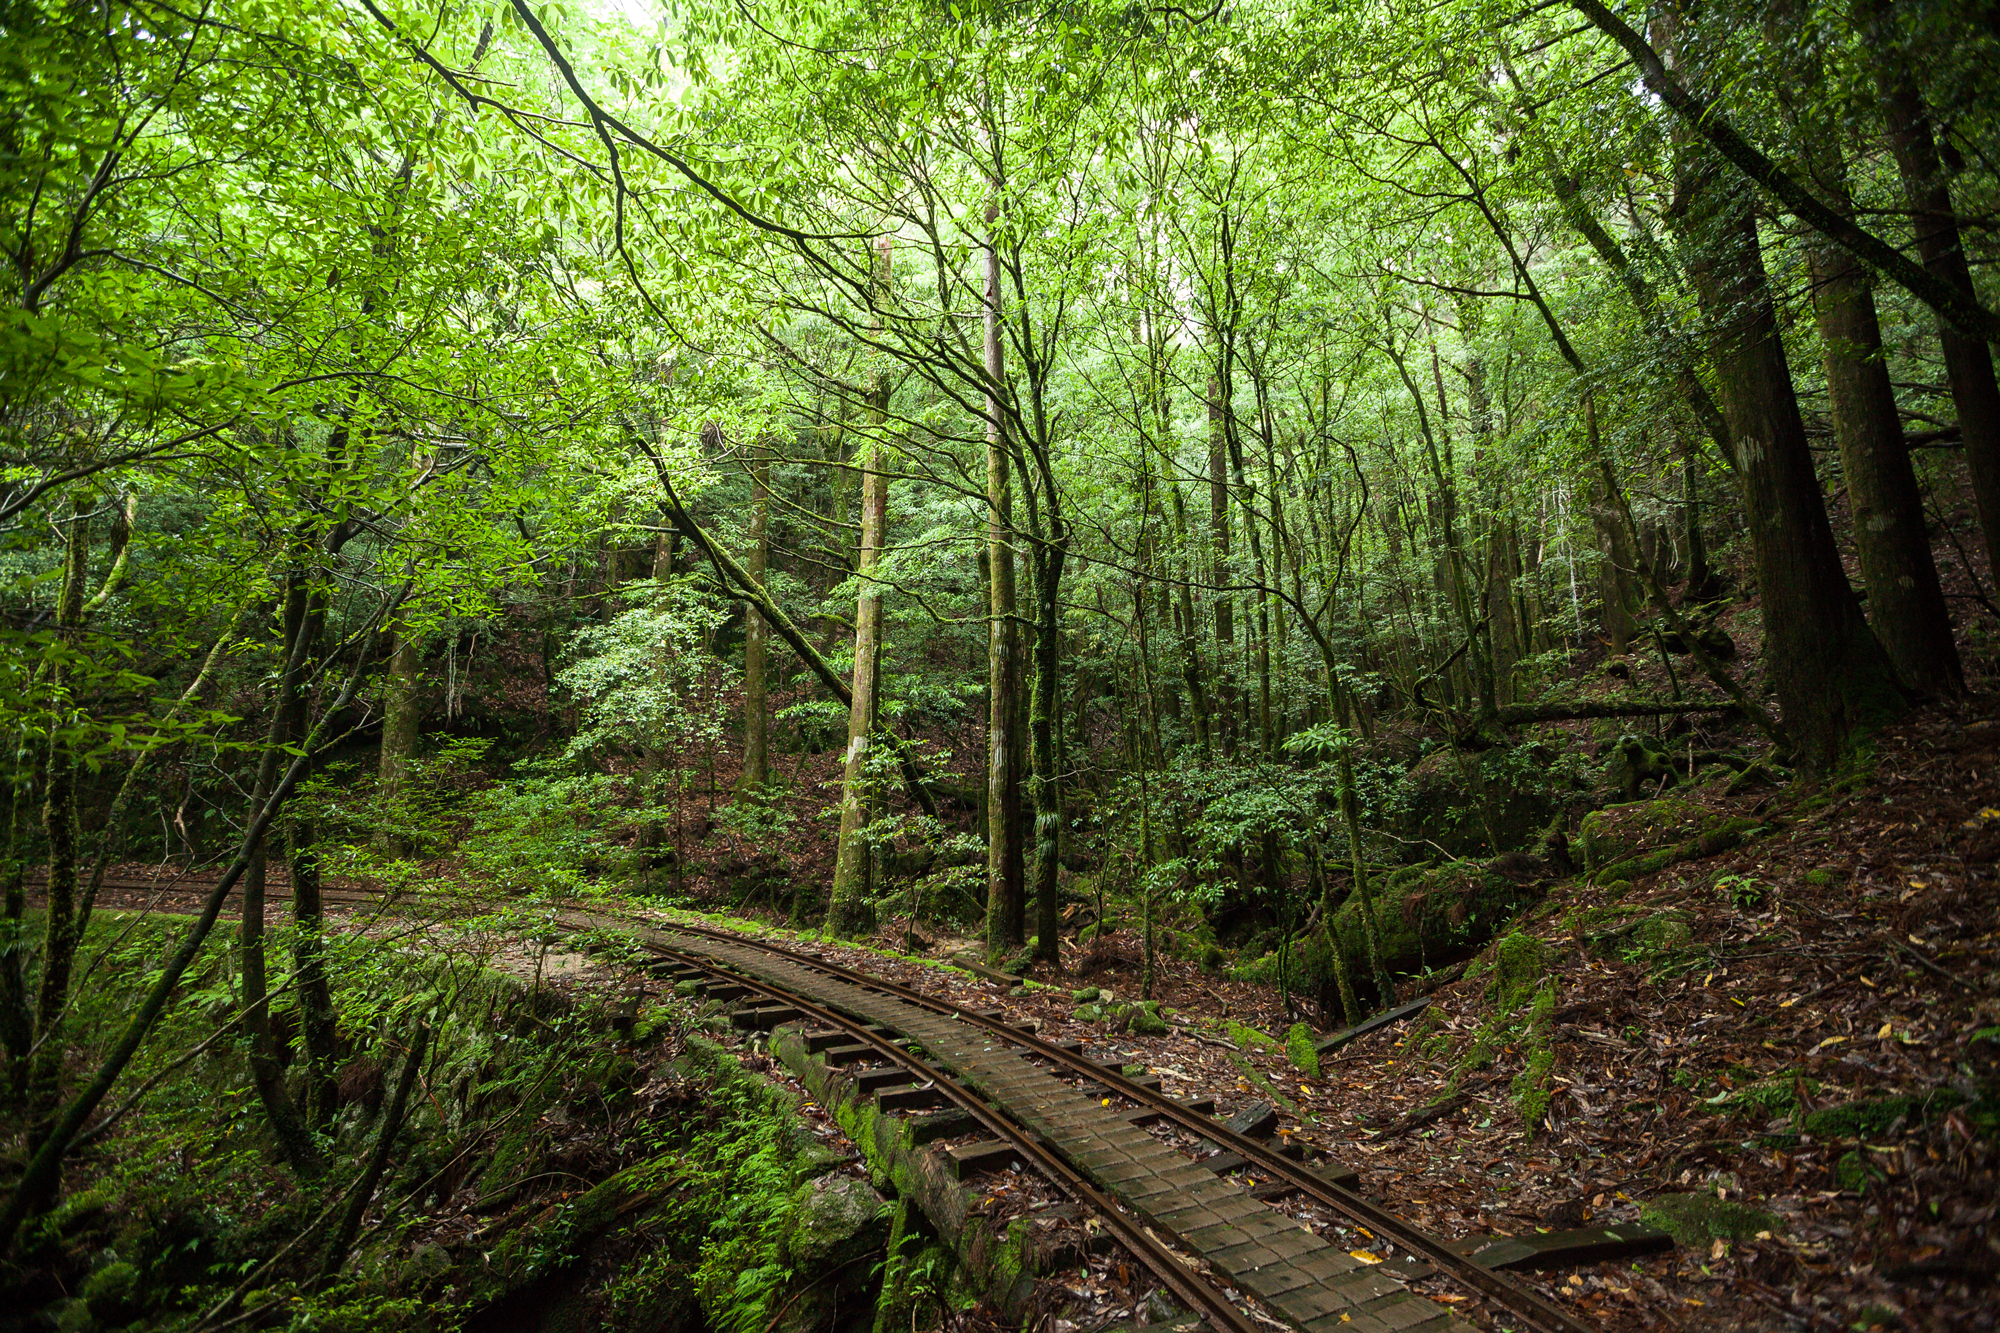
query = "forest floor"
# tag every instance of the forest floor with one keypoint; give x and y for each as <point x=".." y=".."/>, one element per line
<point x="1816" y="1036"/>
<point x="1818" y="1039"/>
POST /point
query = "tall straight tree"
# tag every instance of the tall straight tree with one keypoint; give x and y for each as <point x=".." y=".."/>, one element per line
<point x="757" y="632"/>
<point x="1968" y="358"/>
<point x="1829" y="671"/>
<point x="1006" y="903"/>
<point x="848" y="913"/>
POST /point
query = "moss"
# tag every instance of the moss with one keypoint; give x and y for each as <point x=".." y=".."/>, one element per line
<point x="1266" y="1088"/>
<point x="1144" y="1019"/>
<point x="112" y="1291"/>
<point x="1087" y="995"/>
<point x="1519" y="962"/>
<point x="1639" y="936"/>
<point x="1766" y="1097"/>
<point x="1250" y="1039"/>
<point x="1299" y="1048"/>
<point x="1643" y="837"/>
<point x="1695" y="1219"/>
<point x="1874" y="1116"/>
<point x="1531" y="1086"/>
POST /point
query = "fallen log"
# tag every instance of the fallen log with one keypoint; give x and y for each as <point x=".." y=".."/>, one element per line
<point x="1516" y="715"/>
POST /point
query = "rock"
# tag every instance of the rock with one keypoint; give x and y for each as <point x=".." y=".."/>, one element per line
<point x="814" y="1160"/>
<point x="1019" y="992"/>
<point x="73" y="1316"/>
<point x="1089" y="1013"/>
<point x="1146" y="1021"/>
<point x="1520" y="962"/>
<point x="1300" y="1047"/>
<point x="1086" y="995"/>
<point x="1642" y="837"/>
<point x="1631" y="932"/>
<point x="1695" y="1219"/>
<point x="111" y="1292"/>
<point x="837" y="1219"/>
<point x="1258" y="1120"/>
<point x="1636" y="761"/>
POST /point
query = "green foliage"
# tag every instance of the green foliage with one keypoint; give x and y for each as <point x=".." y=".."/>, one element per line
<point x="1742" y="890"/>
<point x="543" y="833"/>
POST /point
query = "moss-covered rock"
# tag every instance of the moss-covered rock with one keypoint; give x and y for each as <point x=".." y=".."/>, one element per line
<point x="1089" y="1013"/>
<point x="1425" y="914"/>
<point x="112" y="1292"/>
<point x="1636" y="761"/>
<point x="1520" y="961"/>
<point x="1145" y="1020"/>
<point x="1301" y="1050"/>
<point x="1087" y="995"/>
<point x="1695" y="1219"/>
<point x="836" y="1218"/>
<point x="1643" y="837"/>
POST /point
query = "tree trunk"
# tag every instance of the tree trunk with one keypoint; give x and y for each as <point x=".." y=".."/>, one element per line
<point x="59" y="825"/>
<point x="1615" y="569"/>
<point x="1044" y="720"/>
<point x="17" y="1027"/>
<point x="1828" y="670"/>
<point x="1006" y="897"/>
<point x="266" y="1074"/>
<point x="1218" y="537"/>
<point x="849" y="913"/>
<point x="1905" y="603"/>
<point x="756" y="639"/>
<point x="402" y="718"/>
<point x="1968" y="360"/>
<point x="317" y="1023"/>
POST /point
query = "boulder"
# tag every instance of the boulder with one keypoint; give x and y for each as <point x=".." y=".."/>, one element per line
<point x="1695" y="1219"/>
<point x="1642" y="837"/>
<point x="837" y="1219"/>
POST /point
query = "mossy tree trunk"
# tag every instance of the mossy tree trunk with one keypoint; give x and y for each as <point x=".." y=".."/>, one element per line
<point x="757" y="636"/>
<point x="848" y="912"/>
<point x="59" y="824"/>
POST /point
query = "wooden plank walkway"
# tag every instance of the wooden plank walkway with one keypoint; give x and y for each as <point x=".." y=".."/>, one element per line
<point x="1316" y="1285"/>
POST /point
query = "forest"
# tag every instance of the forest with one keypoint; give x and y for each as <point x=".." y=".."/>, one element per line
<point x="1444" y="556"/>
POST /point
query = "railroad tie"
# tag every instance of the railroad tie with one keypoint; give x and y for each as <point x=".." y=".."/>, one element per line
<point x="1310" y="1281"/>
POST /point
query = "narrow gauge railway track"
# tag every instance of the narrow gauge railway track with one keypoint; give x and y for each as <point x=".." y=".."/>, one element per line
<point x="1500" y="1289"/>
<point x="1172" y="1271"/>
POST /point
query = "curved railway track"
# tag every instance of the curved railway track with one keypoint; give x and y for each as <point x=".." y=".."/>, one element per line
<point x="1497" y="1289"/>
<point x="1171" y="1271"/>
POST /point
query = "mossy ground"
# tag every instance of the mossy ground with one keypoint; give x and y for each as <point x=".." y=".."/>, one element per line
<point x="639" y="1175"/>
